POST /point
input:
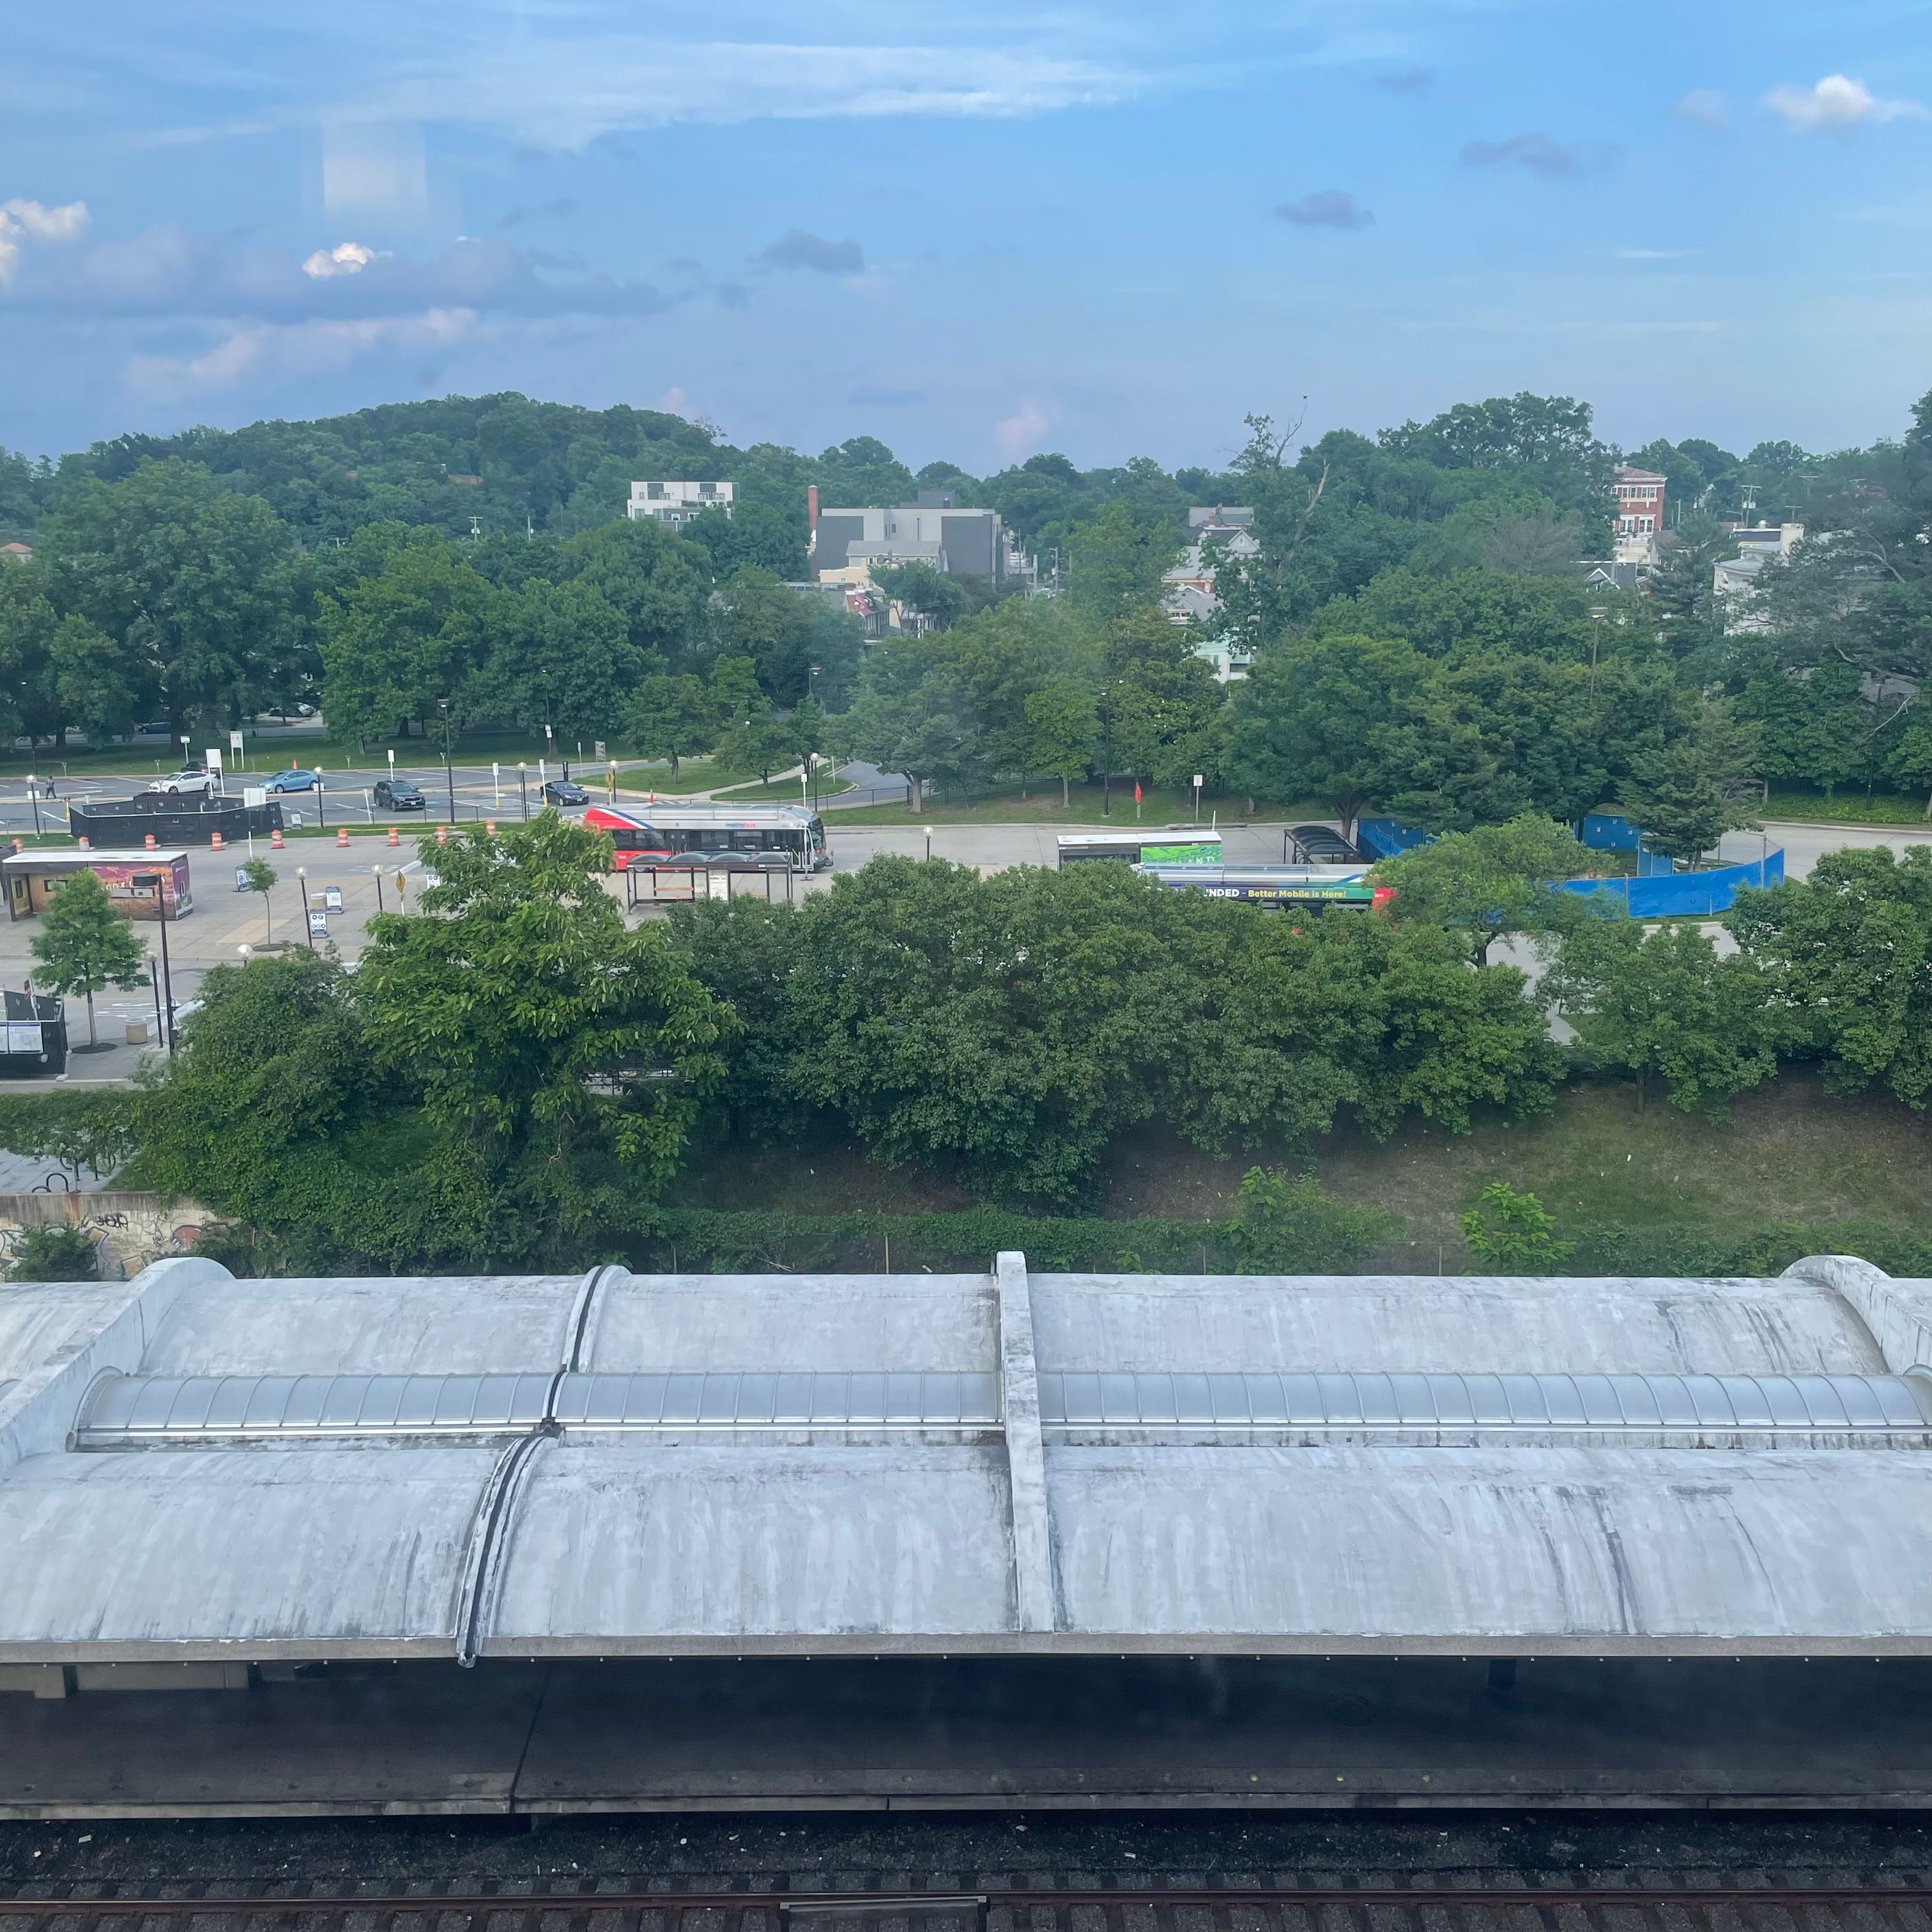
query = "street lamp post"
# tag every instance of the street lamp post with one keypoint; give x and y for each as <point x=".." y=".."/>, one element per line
<point x="449" y="769"/>
<point x="378" y="870"/>
<point x="33" y="795"/>
<point x="301" y="886"/>
<point x="523" y="788"/>
<point x="157" y="882"/>
<point x="929" y="842"/>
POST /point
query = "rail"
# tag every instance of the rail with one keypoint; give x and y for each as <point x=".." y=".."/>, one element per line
<point x="1134" y="1905"/>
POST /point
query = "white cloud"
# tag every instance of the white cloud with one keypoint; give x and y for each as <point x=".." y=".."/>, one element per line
<point x="265" y="351"/>
<point x="20" y="219"/>
<point x="1019" y="436"/>
<point x="565" y="93"/>
<point x="1704" y="107"/>
<point x="1837" y="102"/>
<point x="346" y="258"/>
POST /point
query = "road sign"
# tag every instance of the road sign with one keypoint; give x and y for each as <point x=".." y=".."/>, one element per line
<point x="331" y="898"/>
<point x="235" y="741"/>
<point x="318" y="925"/>
<point x="599" y="749"/>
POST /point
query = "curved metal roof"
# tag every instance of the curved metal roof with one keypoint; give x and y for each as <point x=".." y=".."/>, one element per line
<point x="983" y="1463"/>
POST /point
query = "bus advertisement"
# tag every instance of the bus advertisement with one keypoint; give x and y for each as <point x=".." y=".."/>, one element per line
<point x="1315" y="888"/>
<point x="1170" y="845"/>
<point x="663" y="834"/>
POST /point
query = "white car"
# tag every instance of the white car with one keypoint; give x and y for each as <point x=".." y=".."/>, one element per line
<point x="192" y="779"/>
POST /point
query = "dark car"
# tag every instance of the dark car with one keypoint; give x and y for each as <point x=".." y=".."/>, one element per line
<point x="399" y="795"/>
<point x="294" y="779"/>
<point x="564" y="791"/>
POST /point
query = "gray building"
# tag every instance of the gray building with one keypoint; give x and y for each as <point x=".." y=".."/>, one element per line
<point x="932" y="530"/>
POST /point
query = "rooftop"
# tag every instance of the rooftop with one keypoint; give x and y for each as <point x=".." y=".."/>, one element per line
<point x="996" y="1463"/>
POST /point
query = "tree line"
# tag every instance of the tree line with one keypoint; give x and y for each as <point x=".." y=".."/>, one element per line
<point x="512" y="1077"/>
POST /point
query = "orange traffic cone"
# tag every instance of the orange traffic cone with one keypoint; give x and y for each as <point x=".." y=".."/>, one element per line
<point x="342" y="836"/>
<point x="217" y="841"/>
<point x="393" y="839"/>
<point x="275" y="839"/>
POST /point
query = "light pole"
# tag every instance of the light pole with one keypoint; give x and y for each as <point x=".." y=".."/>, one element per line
<point x="34" y="796"/>
<point x="321" y="816"/>
<point x="301" y="886"/>
<point x="523" y="788"/>
<point x="156" y="880"/>
<point x="448" y="769"/>
<point x="378" y="870"/>
<point x="1197" y="798"/>
<point x="929" y="842"/>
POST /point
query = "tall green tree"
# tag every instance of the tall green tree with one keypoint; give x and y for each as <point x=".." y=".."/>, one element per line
<point x="560" y="1053"/>
<point x="671" y="717"/>
<point x="1065" y="725"/>
<point x="1846" y="956"/>
<point x="562" y="657"/>
<point x="1304" y="723"/>
<point x="1496" y="882"/>
<point x="85" y="946"/>
<point x="1687" y="795"/>
<point x="1663" y="1007"/>
<point x="197" y="581"/>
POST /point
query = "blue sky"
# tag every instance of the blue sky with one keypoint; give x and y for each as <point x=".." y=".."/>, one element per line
<point x="975" y="228"/>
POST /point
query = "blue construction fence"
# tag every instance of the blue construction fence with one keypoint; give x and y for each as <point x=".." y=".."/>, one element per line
<point x="1657" y="891"/>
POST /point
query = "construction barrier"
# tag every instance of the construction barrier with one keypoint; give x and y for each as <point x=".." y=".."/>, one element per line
<point x="393" y="839"/>
<point x="489" y="826"/>
<point x="275" y="839"/>
<point x="442" y="835"/>
<point x="342" y="836"/>
<point x="1694" y="895"/>
<point x="151" y="842"/>
<point x="216" y="845"/>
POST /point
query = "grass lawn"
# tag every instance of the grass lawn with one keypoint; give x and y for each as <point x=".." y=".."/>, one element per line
<point x="1851" y="807"/>
<point x="1790" y="1152"/>
<point x="1041" y="804"/>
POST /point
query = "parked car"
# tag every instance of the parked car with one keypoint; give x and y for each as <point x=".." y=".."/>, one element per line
<point x="190" y="778"/>
<point x="155" y="727"/>
<point x="294" y="779"/>
<point x="399" y="795"/>
<point x="564" y="791"/>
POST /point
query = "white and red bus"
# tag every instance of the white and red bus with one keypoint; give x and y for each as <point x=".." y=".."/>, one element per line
<point x="767" y="833"/>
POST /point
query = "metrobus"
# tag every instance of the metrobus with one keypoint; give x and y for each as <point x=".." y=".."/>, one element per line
<point x="1314" y="888"/>
<point x="645" y="833"/>
<point x="1170" y="846"/>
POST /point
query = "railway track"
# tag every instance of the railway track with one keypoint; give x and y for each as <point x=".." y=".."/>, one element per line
<point x="1128" y="1907"/>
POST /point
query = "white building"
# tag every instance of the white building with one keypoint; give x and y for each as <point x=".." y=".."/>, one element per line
<point x="1734" y="579"/>
<point x="1189" y="595"/>
<point x="678" y="502"/>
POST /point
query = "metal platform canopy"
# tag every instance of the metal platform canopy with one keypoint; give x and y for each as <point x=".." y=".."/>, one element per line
<point x="197" y="1470"/>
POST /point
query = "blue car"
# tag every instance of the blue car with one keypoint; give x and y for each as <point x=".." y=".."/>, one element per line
<point x="295" y="779"/>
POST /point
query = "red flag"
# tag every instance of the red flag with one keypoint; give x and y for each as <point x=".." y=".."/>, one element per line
<point x="1137" y="791"/>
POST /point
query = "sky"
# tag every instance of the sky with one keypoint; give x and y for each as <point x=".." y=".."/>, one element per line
<point x="975" y="229"/>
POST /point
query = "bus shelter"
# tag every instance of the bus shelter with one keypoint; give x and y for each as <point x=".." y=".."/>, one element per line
<point x="684" y="877"/>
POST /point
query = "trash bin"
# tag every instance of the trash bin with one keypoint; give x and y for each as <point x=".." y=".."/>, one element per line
<point x="137" y="1032"/>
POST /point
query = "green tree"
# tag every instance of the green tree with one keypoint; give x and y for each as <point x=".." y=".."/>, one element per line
<point x="757" y="616"/>
<point x="1284" y="1226"/>
<point x="762" y="742"/>
<point x="1065" y="725"/>
<point x="1116" y="560"/>
<point x="1687" y="795"/>
<point x="657" y="581"/>
<point x="564" y="657"/>
<point x="85" y="946"/>
<point x="1513" y="1232"/>
<point x="1815" y="728"/>
<point x="1303" y="721"/>
<point x="261" y="877"/>
<point x="1547" y="442"/>
<point x="1846" y="957"/>
<point x="1910" y="762"/>
<point x="560" y="1055"/>
<point x="941" y="599"/>
<point x="673" y="718"/>
<point x="1163" y="716"/>
<point x="912" y="714"/>
<point x="1496" y="882"/>
<point x="1663" y="1006"/>
<point x="413" y="631"/>
<point x="53" y="1253"/>
<point x="197" y="581"/>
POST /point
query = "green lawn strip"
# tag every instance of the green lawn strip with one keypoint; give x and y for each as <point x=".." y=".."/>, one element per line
<point x="1853" y="808"/>
<point x="1795" y="1171"/>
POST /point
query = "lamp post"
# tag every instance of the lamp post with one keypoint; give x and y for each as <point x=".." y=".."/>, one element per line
<point x="929" y="842"/>
<point x="448" y="769"/>
<point x="378" y="870"/>
<point x="34" y="796"/>
<point x="523" y="788"/>
<point x="301" y="886"/>
<point x="156" y="881"/>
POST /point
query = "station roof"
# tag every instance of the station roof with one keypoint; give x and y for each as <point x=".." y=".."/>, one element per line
<point x="194" y="1466"/>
